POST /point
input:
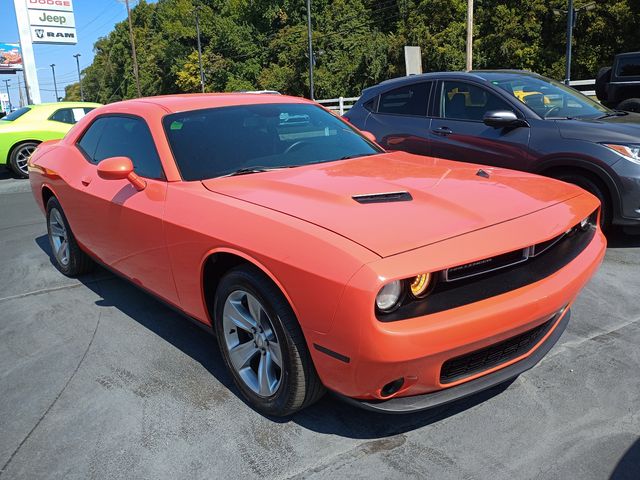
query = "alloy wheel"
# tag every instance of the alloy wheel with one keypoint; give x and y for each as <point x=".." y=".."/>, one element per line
<point x="22" y="157"/>
<point x="59" y="237"/>
<point x="251" y="341"/>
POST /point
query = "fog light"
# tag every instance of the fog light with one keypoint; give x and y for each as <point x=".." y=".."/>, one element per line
<point x="392" y="387"/>
<point x="420" y="285"/>
<point x="388" y="297"/>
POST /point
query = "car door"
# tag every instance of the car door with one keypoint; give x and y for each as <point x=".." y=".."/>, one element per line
<point x="459" y="133"/>
<point x="399" y="120"/>
<point x="127" y="227"/>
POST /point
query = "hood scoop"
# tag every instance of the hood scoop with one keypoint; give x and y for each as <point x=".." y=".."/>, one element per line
<point x="386" y="197"/>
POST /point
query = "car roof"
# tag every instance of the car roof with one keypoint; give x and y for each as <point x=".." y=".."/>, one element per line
<point x="64" y="105"/>
<point x="198" y="101"/>
<point x="473" y="74"/>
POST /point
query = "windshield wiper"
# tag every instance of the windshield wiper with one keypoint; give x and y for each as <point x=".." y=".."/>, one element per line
<point x="357" y="155"/>
<point x="256" y="169"/>
<point x="615" y="113"/>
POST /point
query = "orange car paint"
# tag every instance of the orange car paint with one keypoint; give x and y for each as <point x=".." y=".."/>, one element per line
<point x="328" y="254"/>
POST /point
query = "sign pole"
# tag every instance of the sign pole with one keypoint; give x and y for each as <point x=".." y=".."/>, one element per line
<point x="28" y="58"/>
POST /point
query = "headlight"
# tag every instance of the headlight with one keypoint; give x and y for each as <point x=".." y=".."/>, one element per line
<point x="420" y="285"/>
<point x="630" y="152"/>
<point x="389" y="296"/>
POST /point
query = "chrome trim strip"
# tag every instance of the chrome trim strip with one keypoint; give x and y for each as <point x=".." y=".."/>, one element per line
<point x="525" y="257"/>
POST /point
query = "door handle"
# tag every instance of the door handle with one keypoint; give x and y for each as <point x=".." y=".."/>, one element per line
<point x="85" y="181"/>
<point x="442" y="131"/>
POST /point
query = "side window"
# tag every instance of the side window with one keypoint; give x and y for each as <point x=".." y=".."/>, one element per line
<point x="628" y="67"/>
<point x="406" y="100"/>
<point x="464" y="101"/>
<point x="89" y="141"/>
<point x="130" y="137"/>
<point x="69" y="115"/>
<point x="64" y="115"/>
<point x="371" y="104"/>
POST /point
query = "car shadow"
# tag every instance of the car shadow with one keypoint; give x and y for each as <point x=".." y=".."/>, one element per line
<point x="619" y="238"/>
<point x="329" y="416"/>
<point x="6" y="174"/>
<point x="628" y="467"/>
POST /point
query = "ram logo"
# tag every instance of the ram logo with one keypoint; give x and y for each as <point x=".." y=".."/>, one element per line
<point x="39" y="33"/>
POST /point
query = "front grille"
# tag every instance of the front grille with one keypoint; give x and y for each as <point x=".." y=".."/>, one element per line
<point x="493" y="355"/>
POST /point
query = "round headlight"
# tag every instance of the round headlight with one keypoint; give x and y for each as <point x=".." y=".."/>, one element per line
<point x="389" y="296"/>
<point x="420" y="285"/>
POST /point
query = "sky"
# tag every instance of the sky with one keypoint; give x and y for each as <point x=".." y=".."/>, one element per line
<point x="94" y="19"/>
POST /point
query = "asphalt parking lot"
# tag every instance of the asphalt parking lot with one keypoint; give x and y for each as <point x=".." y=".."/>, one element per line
<point x="99" y="380"/>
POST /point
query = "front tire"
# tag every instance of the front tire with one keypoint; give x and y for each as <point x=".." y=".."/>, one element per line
<point x="262" y="344"/>
<point x="19" y="158"/>
<point x="67" y="256"/>
<point x="596" y="190"/>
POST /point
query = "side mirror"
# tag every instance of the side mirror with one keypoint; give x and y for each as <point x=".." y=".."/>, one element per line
<point x="503" y="118"/>
<point x="120" y="168"/>
<point x="369" y="136"/>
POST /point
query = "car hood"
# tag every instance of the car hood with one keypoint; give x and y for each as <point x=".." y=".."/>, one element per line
<point x="448" y="198"/>
<point x="619" y="129"/>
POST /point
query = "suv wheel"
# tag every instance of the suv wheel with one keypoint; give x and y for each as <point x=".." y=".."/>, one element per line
<point x="630" y="105"/>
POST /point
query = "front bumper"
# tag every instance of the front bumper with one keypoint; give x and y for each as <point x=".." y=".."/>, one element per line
<point x="628" y="174"/>
<point x="426" y="401"/>
<point x="361" y="355"/>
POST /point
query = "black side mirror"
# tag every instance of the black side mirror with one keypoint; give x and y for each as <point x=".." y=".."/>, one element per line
<point x="503" y="118"/>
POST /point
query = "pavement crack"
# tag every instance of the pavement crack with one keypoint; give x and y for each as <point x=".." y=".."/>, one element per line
<point x="55" y="400"/>
<point x="50" y="289"/>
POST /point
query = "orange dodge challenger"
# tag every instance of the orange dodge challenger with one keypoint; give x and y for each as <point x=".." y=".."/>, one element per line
<point x="400" y="282"/>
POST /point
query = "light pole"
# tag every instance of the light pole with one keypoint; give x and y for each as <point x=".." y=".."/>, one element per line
<point x="6" y="84"/>
<point x="133" y="50"/>
<point x="311" y="93"/>
<point x="55" y="85"/>
<point x="77" y="57"/>
<point x="197" y="9"/>
<point x="469" y="35"/>
<point x="572" y="15"/>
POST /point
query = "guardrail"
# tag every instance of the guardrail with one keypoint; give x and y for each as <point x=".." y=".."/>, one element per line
<point x="582" y="86"/>
<point x="342" y="104"/>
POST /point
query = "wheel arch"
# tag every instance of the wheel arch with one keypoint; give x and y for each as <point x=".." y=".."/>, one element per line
<point x="217" y="262"/>
<point x="17" y="143"/>
<point x="47" y="192"/>
<point x="589" y="170"/>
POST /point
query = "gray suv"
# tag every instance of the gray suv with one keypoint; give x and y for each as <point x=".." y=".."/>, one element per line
<point x="512" y="119"/>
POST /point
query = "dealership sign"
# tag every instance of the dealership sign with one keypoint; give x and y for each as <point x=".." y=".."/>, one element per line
<point x="52" y="21"/>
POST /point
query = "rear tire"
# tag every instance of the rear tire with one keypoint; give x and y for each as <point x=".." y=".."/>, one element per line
<point x="67" y="256"/>
<point x="596" y="190"/>
<point x="258" y="333"/>
<point x="19" y="158"/>
<point x="630" y="105"/>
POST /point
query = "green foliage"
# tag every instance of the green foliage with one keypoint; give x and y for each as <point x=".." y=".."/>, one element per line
<point x="262" y="44"/>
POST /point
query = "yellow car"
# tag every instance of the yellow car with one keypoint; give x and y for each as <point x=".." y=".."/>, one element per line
<point x="22" y="130"/>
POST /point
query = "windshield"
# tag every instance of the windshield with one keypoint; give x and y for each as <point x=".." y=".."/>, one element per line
<point x="251" y="138"/>
<point x="548" y="98"/>
<point x="15" y="114"/>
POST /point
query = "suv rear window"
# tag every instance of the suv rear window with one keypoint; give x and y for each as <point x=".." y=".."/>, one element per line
<point x="406" y="100"/>
<point x="628" y="67"/>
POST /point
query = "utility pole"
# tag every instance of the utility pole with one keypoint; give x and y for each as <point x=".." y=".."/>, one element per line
<point x="55" y="85"/>
<point x="197" y="9"/>
<point x="311" y="59"/>
<point x="77" y="57"/>
<point x="469" y="35"/>
<point x="570" y="17"/>
<point x="133" y="51"/>
<point x="20" y="91"/>
<point x="6" y="84"/>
